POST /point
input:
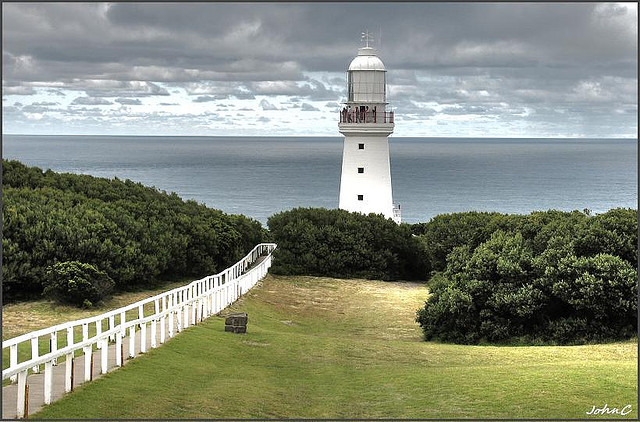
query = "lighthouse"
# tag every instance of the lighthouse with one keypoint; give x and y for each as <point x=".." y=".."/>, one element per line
<point x="365" y="182"/>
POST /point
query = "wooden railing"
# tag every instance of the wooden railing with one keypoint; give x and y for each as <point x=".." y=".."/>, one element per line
<point x="173" y="311"/>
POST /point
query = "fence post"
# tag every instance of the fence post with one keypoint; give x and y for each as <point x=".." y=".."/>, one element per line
<point x="54" y="345"/>
<point x="132" y="341"/>
<point x="22" y="399"/>
<point x="48" y="381"/>
<point x="104" y="356"/>
<point x="34" y="353"/>
<point x="143" y="337"/>
<point x="98" y="332"/>
<point x="119" y="349"/>
<point x="88" y="353"/>
<point x="68" y="368"/>
<point x="13" y="359"/>
<point x="154" y="327"/>
<point x="69" y="336"/>
<point x="112" y="325"/>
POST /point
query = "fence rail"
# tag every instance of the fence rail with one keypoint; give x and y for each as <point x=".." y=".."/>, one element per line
<point x="174" y="310"/>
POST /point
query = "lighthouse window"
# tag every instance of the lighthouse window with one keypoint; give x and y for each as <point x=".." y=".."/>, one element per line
<point x="360" y="197"/>
<point x="360" y="146"/>
<point x="360" y="169"/>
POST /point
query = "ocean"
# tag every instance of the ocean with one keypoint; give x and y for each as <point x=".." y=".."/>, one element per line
<point x="260" y="176"/>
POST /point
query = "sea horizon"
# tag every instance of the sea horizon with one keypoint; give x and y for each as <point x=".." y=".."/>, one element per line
<point x="430" y="176"/>
<point x="392" y="136"/>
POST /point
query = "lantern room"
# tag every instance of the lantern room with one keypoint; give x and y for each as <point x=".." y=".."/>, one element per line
<point x="366" y="78"/>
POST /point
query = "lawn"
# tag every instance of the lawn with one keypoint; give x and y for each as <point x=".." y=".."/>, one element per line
<point x="328" y="348"/>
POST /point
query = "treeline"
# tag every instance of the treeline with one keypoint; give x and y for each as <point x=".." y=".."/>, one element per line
<point x="134" y="234"/>
<point x="561" y="277"/>
<point x="338" y="243"/>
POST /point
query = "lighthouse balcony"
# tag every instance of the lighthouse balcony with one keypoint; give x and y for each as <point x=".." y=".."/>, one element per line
<point x="358" y="117"/>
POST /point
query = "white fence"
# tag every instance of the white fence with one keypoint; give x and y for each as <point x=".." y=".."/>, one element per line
<point x="172" y="311"/>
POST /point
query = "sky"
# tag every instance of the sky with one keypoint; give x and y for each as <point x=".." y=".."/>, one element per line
<point x="279" y="69"/>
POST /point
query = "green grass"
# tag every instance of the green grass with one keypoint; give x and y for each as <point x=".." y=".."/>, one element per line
<point x="326" y="348"/>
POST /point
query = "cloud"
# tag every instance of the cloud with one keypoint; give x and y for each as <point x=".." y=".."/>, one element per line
<point x="308" y="107"/>
<point x="91" y="101"/>
<point x="17" y="90"/>
<point x="128" y="101"/>
<point x="266" y="105"/>
<point x="208" y="98"/>
<point x="446" y="58"/>
<point x="46" y="103"/>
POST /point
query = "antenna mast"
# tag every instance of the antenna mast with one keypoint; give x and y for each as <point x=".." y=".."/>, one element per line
<point x="366" y="37"/>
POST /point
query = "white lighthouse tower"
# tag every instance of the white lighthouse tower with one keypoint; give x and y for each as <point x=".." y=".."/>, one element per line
<point x="365" y="183"/>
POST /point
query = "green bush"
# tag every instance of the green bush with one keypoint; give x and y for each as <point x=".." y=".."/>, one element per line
<point x="134" y="233"/>
<point x="550" y="277"/>
<point x="78" y="284"/>
<point x="338" y="243"/>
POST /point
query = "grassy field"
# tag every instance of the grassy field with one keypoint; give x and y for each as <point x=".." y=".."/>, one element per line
<point x="326" y="348"/>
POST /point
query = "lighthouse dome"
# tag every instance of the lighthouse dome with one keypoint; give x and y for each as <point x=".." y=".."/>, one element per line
<point x="366" y="60"/>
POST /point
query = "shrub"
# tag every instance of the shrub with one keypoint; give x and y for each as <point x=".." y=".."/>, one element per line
<point x="134" y="233"/>
<point x="552" y="277"/>
<point x="338" y="243"/>
<point x="445" y="232"/>
<point x="78" y="284"/>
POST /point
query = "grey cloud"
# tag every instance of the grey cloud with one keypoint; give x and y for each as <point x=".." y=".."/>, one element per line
<point x="38" y="108"/>
<point x="91" y="101"/>
<point x="427" y="34"/>
<point x="206" y="98"/>
<point x="128" y="101"/>
<point x="243" y="96"/>
<point x="540" y="56"/>
<point x="18" y="90"/>
<point x="56" y="92"/>
<point x="112" y="88"/>
<point x="266" y="105"/>
<point x="308" y="107"/>
<point x="45" y="103"/>
<point x="311" y="88"/>
<point x="218" y="89"/>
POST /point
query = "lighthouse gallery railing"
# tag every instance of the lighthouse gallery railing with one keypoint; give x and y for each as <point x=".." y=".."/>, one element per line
<point x="356" y="116"/>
